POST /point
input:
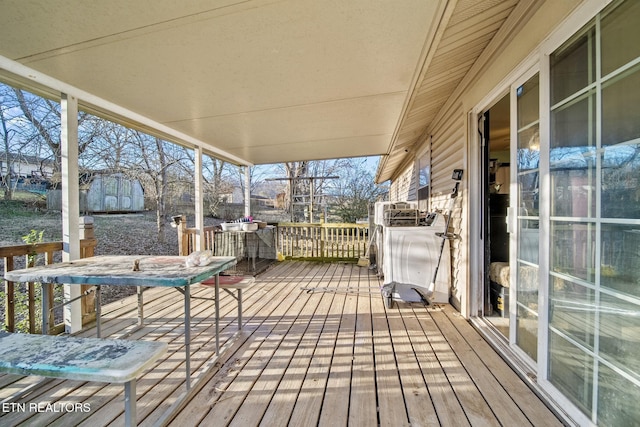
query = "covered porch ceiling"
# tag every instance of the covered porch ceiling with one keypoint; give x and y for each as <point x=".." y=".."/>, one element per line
<point x="259" y="81"/>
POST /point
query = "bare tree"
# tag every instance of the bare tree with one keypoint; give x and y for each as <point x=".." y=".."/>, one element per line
<point x="45" y="119"/>
<point x="216" y="176"/>
<point x="8" y="158"/>
<point x="151" y="161"/>
<point x="354" y="191"/>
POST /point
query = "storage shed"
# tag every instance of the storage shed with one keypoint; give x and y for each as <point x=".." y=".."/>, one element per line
<point x="105" y="192"/>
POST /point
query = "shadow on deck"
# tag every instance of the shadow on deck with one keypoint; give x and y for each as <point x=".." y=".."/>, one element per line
<point x="318" y="348"/>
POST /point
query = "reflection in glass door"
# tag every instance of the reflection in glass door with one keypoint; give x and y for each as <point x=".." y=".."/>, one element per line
<point x="594" y="223"/>
<point x="526" y="207"/>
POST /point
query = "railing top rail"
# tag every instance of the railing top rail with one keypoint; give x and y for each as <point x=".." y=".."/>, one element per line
<point x="324" y="224"/>
<point x="195" y="230"/>
<point x="39" y="248"/>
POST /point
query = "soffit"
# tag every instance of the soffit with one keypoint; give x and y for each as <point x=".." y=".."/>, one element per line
<point x="267" y="81"/>
<point x="470" y="28"/>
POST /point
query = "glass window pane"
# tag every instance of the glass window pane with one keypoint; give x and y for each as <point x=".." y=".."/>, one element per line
<point x="620" y="258"/>
<point x="571" y="371"/>
<point x="572" y="310"/>
<point x="527" y="332"/>
<point x="573" y="125"/>
<point x="620" y="33"/>
<point x="573" y="188"/>
<point x="572" y="250"/>
<point x="573" y="159"/>
<point x="619" y="333"/>
<point x="621" y="181"/>
<point x="617" y="399"/>
<point x="529" y="147"/>
<point x="528" y="241"/>
<point x="572" y="66"/>
<point x="528" y="102"/>
<point x="529" y="195"/>
<point x="621" y="122"/>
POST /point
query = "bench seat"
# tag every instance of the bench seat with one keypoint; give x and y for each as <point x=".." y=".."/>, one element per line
<point x="228" y="283"/>
<point x="83" y="359"/>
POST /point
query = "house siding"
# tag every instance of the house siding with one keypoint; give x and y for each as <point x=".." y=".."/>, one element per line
<point x="447" y="154"/>
<point x="403" y="188"/>
<point x="449" y="139"/>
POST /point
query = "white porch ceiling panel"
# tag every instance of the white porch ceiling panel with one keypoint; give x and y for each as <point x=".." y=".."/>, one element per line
<point x="265" y="81"/>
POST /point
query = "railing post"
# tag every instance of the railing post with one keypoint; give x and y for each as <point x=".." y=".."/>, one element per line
<point x="183" y="237"/>
<point x="88" y="303"/>
<point x="9" y="310"/>
<point x="323" y="236"/>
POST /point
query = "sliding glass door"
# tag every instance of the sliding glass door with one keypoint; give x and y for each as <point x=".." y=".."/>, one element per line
<point x="525" y="205"/>
<point x="594" y="224"/>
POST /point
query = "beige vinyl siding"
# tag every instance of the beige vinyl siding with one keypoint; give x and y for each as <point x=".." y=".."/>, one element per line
<point x="403" y="188"/>
<point x="447" y="154"/>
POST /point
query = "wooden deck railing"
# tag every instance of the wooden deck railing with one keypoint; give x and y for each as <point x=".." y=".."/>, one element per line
<point x="322" y="241"/>
<point x="319" y="241"/>
<point x="11" y="254"/>
<point x="222" y="244"/>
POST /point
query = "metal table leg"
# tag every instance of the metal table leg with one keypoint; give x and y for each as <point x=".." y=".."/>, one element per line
<point x="140" y="290"/>
<point x="45" y="309"/>
<point x="187" y="333"/>
<point x="217" y="295"/>
<point x="98" y="303"/>
<point x="130" y="403"/>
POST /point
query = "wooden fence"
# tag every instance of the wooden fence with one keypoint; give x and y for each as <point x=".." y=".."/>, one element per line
<point x="323" y="241"/>
<point x="319" y="241"/>
<point x="49" y="250"/>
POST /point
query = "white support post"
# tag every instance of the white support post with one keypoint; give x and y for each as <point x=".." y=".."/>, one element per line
<point x="247" y="191"/>
<point x="199" y="199"/>
<point x="70" y="205"/>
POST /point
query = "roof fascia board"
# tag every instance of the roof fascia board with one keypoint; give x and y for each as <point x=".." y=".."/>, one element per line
<point x="431" y="45"/>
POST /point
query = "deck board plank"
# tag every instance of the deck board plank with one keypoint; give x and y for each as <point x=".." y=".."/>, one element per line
<point x="258" y="357"/>
<point x="447" y="408"/>
<point x="335" y="408"/>
<point x="418" y="402"/>
<point x="311" y="394"/>
<point x="363" y="405"/>
<point x="257" y="307"/>
<point x="258" y="399"/>
<point x="532" y="409"/>
<point x="392" y="410"/>
<point x="324" y="357"/>
<point x="475" y="407"/>
<point x="283" y="400"/>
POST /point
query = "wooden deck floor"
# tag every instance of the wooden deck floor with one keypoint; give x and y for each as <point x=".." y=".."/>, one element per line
<point x="318" y="348"/>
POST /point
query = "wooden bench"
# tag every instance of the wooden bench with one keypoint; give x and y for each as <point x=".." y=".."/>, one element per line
<point x="83" y="359"/>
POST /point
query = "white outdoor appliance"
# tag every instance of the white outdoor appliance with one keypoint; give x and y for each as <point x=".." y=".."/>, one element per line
<point x="381" y="220"/>
<point x="411" y="257"/>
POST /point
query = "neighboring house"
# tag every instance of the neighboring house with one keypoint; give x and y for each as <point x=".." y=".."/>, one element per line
<point x="22" y="166"/>
<point x="25" y="173"/>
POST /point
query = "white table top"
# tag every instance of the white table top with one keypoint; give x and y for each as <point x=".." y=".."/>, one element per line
<point x="168" y="271"/>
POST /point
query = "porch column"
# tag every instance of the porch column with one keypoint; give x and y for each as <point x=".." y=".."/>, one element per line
<point x="199" y="199"/>
<point x="70" y="204"/>
<point x="247" y="191"/>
